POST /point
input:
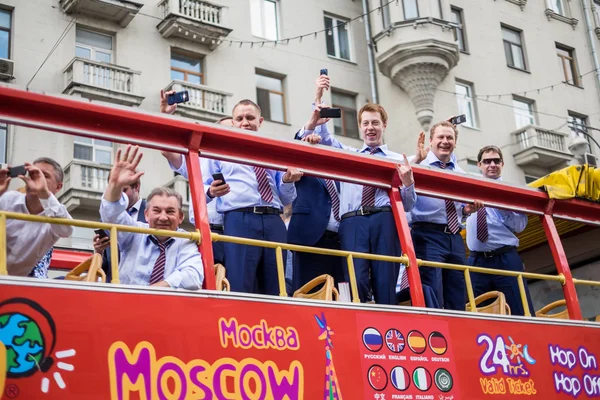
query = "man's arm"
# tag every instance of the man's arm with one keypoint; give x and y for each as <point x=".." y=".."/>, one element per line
<point x="285" y="184"/>
<point x="189" y="272"/>
<point x="115" y="212"/>
<point x="176" y="162"/>
<point x="53" y="209"/>
<point x="4" y="181"/>
<point x="516" y="222"/>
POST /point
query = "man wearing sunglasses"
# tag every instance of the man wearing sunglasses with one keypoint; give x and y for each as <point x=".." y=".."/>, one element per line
<point x="492" y="240"/>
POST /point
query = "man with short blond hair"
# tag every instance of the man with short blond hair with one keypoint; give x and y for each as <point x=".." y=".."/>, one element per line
<point x="367" y="224"/>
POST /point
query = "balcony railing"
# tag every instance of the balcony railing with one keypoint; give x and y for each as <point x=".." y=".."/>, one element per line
<point x="205" y="103"/>
<point x="196" y="20"/>
<point x="540" y="147"/>
<point x="102" y="81"/>
<point x="83" y="185"/>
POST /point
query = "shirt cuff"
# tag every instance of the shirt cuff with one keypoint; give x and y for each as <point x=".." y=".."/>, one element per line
<point x="174" y="280"/>
<point x="110" y="210"/>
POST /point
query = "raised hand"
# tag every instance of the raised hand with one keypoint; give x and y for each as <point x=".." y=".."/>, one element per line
<point x="405" y="172"/>
<point x="164" y="105"/>
<point x="313" y="138"/>
<point x="322" y="84"/>
<point x="4" y="180"/>
<point x="292" y="175"/>
<point x="421" y="149"/>
<point x="124" y="172"/>
<point x="35" y="182"/>
<point x="315" y="118"/>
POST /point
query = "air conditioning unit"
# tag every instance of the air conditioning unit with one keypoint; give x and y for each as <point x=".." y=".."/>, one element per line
<point x="6" y="69"/>
<point x="590" y="159"/>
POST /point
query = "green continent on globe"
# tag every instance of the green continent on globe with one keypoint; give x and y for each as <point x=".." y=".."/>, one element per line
<point x="24" y="342"/>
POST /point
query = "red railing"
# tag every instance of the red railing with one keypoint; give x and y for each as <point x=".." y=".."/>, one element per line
<point x="124" y="125"/>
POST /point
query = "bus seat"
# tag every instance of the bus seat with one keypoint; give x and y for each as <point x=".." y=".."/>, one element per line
<point x="564" y="314"/>
<point x="88" y="271"/>
<point x="597" y="318"/>
<point x="222" y="283"/>
<point x="327" y="291"/>
<point x="498" y="306"/>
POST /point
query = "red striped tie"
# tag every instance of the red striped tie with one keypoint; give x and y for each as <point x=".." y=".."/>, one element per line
<point x="158" y="272"/>
<point x="451" y="214"/>
<point x="335" y="199"/>
<point x="482" y="226"/>
<point x="404" y="282"/>
<point x="368" y="193"/>
<point x="264" y="189"/>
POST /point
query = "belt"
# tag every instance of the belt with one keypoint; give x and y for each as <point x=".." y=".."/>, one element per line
<point x="366" y="211"/>
<point x="260" y="210"/>
<point x="495" y="252"/>
<point x="330" y="235"/>
<point x="431" y="226"/>
<point x="215" y="227"/>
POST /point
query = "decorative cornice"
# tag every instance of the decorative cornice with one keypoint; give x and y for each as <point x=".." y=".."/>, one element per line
<point x="520" y="3"/>
<point x="552" y="15"/>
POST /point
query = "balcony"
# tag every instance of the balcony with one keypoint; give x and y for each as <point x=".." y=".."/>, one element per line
<point x="181" y="186"/>
<point x="119" y="11"/>
<point x="104" y="82"/>
<point x="541" y="148"/>
<point x="83" y="185"/>
<point x="416" y="51"/>
<point x="205" y="104"/>
<point x="196" y="20"/>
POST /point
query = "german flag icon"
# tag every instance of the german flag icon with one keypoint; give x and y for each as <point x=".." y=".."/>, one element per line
<point x="437" y="343"/>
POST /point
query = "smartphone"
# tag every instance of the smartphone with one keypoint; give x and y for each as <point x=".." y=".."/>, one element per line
<point x="331" y="112"/>
<point x="459" y="119"/>
<point x="219" y="177"/>
<point x="16" y="171"/>
<point x="179" y="97"/>
<point x="324" y="72"/>
<point x="101" y="232"/>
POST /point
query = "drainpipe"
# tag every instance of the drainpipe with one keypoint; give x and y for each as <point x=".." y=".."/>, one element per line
<point x="592" y="39"/>
<point x="370" y="52"/>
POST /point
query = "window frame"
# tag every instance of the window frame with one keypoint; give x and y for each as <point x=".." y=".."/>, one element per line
<point x="93" y="49"/>
<point x="462" y="30"/>
<point x="335" y="27"/>
<point x="404" y="10"/>
<point x="550" y="4"/>
<point x="345" y="109"/>
<point x="282" y="93"/>
<point x="531" y="105"/>
<point x="94" y="147"/>
<point x="386" y="19"/>
<point x="9" y="31"/>
<point x="571" y="60"/>
<point x="470" y="99"/>
<point x="263" y="34"/>
<point x="520" y="45"/>
<point x="573" y="116"/>
<point x="187" y="72"/>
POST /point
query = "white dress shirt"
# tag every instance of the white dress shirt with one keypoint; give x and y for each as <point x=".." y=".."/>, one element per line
<point x="136" y="206"/>
<point x="183" y="267"/>
<point x="27" y="242"/>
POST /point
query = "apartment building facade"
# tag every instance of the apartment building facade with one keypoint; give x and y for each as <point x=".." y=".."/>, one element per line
<point x="519" y="70"/>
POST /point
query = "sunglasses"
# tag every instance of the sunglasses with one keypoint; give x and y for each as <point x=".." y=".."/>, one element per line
<point x="488" y="161"/>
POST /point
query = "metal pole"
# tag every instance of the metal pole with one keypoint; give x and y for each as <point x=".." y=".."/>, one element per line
<point x="370" y="53"/>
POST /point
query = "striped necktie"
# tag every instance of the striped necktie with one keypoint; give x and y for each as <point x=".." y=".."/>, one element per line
<point x="158" y="272"/>
<point x="404" y="282"/>
<point x="451" y="214"/>
<point x="131" y="211"/>
<point x="368" y="193"/>
<point x="335" y="198"/>
<point x="482" y="226"/>
<point x="264" y="189"/>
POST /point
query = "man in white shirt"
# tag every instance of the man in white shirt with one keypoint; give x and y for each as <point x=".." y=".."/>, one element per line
<point x="148" y="259"/>
<point x="27" y="242"/>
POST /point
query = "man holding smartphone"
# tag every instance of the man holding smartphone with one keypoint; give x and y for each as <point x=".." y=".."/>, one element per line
<point x="436" y="223"/>
<point x="366" y="220"/>
<point x="27" y="242"/>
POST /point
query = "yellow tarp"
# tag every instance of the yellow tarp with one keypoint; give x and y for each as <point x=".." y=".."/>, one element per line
<point x="575" y="181"/>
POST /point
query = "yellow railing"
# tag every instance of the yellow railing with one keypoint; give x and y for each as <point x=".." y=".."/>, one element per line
<point x="279" y="247"/>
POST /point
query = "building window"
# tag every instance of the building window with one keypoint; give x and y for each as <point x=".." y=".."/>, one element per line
<point x="513" y="48"/>
<point x="270" y="97"/>
<point x="93" y="46"/>
<point x="385" y="13"/>
<point x="597" y="12"/>
<point x="263" y="18"/>
<point x="411" y="9"/>
<point x="524" y="112"/>
<point x="567" y="64"/>
<point x="5" y="22"/>
<point x="578" y="125"/>
<point x="95" y="150"/>
<point x="346" y="125"/>
<point x="185" y="68"/>
<point x="531" y="178"/>
<point x="436" y="8"/>
<point x="466" y="103"/>
<point x="459" y="33"/>
<point x="472" y="167"/>
<point x="557" y="6"/>
<point x="338" y="38"/>
<point x="3" y="138"/>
